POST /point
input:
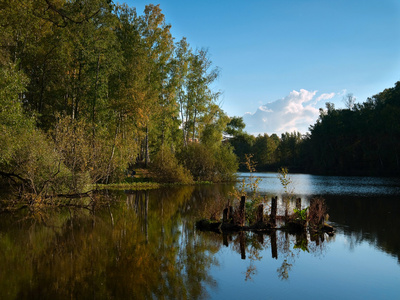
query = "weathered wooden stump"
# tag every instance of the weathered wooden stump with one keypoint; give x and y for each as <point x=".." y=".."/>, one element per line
<point x="227" y="215"/>
<point x="321" y="219"/>
<point x="230" y="213"/>
<point x="242" y="211"/>
<point x="260" y="214"/>
<point x="298" y="203"/>
<point x="225" y="218"/>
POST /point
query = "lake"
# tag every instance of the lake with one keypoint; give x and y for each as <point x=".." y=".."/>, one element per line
<point x="144" y="245"/>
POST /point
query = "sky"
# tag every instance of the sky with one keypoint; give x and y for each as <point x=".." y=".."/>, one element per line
<point x="282" y="60"/>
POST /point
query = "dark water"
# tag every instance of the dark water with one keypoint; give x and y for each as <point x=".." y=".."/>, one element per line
<point x="145" y="246"/>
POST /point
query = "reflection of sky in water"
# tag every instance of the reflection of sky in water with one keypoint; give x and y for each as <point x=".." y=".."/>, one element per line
<point x="305" y="184"/>
<point x="337" y="269"/>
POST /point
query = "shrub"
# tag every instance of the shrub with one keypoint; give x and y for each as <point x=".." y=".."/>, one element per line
<point x="165" y="168"/>
<point x="200" y="161"/>
<point x="214" y="164"/>
<point x="104" y="158"/>
<point x="27" y="156"/>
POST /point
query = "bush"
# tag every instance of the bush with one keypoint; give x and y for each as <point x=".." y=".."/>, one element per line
<point x="199" y="161"/>
<point x="226" y="163"/>
<point x="165" y="168"/>
<point x="214" y="164"/>
<point x="39" y="168"/>
<point x="104" y="158"/>
<point x="27" y="156"/>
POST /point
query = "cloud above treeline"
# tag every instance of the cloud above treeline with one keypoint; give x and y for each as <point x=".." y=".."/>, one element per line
<point x="295" y="112"/>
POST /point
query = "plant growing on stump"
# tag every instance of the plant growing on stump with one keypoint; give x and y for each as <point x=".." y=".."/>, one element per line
<point x="252" y="184"/>
<point x="300" y="214"/>
<point x="286" y="182"/>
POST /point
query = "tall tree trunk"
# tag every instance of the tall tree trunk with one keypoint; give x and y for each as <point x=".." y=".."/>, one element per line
<point x="112" y="151"/>
<point x="42" y="87"/>
<point x="147" y="154"/>
<point x="183" y="123"/>
<point x="194" y="125"/>
<point x="96" y="85"/>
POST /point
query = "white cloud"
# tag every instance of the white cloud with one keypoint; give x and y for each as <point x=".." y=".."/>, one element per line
<point x="326" y="96"/>
<point x="265" y="108"/>
<point x="295" y="112"/>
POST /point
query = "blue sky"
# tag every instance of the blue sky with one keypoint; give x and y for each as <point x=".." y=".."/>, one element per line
<point x="281" y="60"/>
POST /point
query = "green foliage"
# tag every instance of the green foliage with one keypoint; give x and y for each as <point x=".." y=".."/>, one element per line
<point x="302" y="244"/>
<point x="95" y="88"/>
<point x="242" y="145"/>
<point x="252" y="184"/>
<point x="134" y="186"/>
<point x="289" y="149"/>
<point x="235" y="126"/>
<point x="301" y="214"/>
<point x="13" y="121"/>
<point x="166" y="168"/>
<point x="226" y="163"/>
<point x="265" y="150"/>
<point x="362" y="139"/>
<point x="286" y="182"/>
<point x="102" y="158"/>
<point x="209" y="164"/>
<point x="27" y="156"/>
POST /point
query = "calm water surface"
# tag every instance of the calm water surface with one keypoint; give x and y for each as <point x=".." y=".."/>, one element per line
<point x="145" y="246"/>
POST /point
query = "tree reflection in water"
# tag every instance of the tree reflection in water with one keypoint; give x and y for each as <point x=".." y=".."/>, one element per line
<point x="145" y="245"/>
<point x="284" y="246"/>
<point x="139" y="248"/>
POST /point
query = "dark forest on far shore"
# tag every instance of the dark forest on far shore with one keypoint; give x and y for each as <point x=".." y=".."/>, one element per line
<point x="363" y="139"/>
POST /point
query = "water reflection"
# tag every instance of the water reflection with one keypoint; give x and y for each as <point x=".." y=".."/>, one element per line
<point x="306" y="185"/>
<point x="279" y="245"/>
<point x="372" y="219"/>
<point x="145" y="245"/>
<point x="136" y="248"/>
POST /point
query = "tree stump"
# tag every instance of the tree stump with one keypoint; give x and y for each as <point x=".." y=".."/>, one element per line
<point x="225" y="214"/>
<point x="260" y="214"/>
<point x="298" y="203"/>
<point x="230" y="213"/>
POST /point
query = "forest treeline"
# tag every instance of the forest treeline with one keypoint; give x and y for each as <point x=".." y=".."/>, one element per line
<point x="362" y="139"/>
<point x="89" y="89"/>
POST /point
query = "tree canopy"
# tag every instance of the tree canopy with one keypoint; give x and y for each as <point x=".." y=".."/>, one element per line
<point x="362" y="139"/>
<point x="103" y="88"/>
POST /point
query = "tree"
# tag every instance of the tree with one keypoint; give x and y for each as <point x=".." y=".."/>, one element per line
<point x="199" y="94"/>
<point x="235" y="126"/>
<point x="264" y="150"/>
<point x="349" y="101"/>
